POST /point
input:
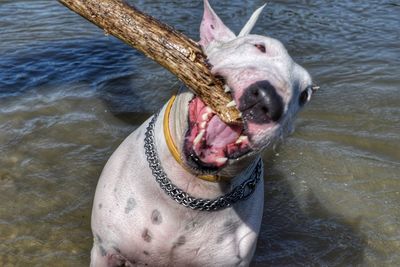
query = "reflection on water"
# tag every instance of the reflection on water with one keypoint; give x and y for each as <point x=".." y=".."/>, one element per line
<point x="69" y="95"/>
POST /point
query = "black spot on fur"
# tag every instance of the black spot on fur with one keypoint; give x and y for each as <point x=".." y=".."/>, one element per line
<point x="146" y="253"/>
<point x="117" y="260"/>
<point x="117" y="249"/>
<point x="230" y="226"/>
<point x="130" y="205"/>
<point x="240" y="260"/>
<point x="220" y="239"/>
<point x="156" y="217"/>
<point x="99" y="239"/>
<point x="103" y="252"/>
<point x="146" y="235"/>
<point x="179" y="242"/>
<point x="100" y="206"/>
<point x="191" y="225"/>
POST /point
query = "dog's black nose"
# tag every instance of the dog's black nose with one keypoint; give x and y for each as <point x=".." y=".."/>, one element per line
<point x="261" y="103"/>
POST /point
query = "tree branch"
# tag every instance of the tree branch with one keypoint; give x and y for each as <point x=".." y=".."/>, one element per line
<point x="171" y="49"/>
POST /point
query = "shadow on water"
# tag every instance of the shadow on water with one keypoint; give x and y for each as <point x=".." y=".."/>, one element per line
<point x="133" y="99"/>
<point x="293" y="234"/>
<point x="123" y="101"/>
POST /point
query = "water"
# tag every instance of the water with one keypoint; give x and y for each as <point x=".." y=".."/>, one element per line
<point x="69" y="95"/>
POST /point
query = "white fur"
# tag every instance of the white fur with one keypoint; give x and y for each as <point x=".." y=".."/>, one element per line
<point x="135" y="223"/>
<point x="223" y="238"/>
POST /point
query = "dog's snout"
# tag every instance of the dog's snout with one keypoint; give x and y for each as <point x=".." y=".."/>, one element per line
<point x="261" y="103"/>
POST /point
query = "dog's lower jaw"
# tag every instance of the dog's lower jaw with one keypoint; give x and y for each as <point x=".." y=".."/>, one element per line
<point x="133" y="217"/>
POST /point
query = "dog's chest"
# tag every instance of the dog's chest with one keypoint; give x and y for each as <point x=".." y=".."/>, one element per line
<point x="182" y="239"/>
<point x="136" y="222"/>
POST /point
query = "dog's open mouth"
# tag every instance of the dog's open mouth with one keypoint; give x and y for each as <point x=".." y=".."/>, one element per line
<point x="209" y="142"/>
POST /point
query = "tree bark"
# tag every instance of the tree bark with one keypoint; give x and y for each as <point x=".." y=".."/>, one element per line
<point x="171" y="49"/>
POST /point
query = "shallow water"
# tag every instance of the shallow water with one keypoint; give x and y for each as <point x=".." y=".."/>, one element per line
<point x="69" y="95"/>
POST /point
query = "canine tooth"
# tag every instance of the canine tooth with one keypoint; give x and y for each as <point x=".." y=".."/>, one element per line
<point x="227" y="88"/>
<point x="231" y="104"/>
<point x="203" y="125"/>
<point x="221" y="160"/>
<point x="198" y="137"/>
<point x="209" y="110"/>
<point x="241" y="139"/>
<point x="204" y="117"/>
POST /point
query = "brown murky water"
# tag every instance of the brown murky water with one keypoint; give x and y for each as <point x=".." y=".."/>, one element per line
<point x="69" y="95"/>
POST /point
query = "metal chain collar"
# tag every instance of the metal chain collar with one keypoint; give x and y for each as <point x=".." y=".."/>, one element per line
<point x="240" y="192"/>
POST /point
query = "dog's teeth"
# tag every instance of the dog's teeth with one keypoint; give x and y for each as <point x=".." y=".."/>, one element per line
<point x="221" y="160"/>
<point x="209" y="110"/>
<point x="204" y="117"/>
<point x="241" y="139"/>
<point x="227" y="88"/>
<point x="199" y="137"/>
<point x="231" y="104"/>
<point x="203" y="125"/>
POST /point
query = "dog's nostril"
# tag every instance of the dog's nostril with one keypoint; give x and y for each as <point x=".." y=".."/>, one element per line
<point x="264" y="109"/>
<point x="261" y="103"/>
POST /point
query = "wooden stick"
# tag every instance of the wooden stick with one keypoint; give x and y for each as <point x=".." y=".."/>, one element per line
<point x="173" y="50"/>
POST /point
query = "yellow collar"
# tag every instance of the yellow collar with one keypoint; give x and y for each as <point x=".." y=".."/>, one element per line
<point x="172" y="148"/>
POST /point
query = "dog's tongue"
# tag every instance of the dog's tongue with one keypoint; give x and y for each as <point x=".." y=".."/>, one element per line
<point x="219" y="134"/>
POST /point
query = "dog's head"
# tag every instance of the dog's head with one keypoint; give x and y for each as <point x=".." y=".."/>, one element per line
<point x="267" y="86"/>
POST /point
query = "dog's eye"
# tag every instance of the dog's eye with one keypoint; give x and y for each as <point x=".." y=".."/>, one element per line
<point x="260" y="47"/>
<point x="305" y="96"/>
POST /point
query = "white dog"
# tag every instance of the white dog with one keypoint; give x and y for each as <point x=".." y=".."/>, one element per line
<point x="186" y="189"/>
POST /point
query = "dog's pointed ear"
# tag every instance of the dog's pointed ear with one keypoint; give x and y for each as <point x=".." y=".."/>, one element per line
<point x="252" y="21"/>
<point x="212" y="28"/>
